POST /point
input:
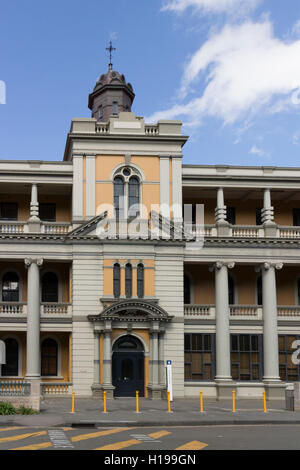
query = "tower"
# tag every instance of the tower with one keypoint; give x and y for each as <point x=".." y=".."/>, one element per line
<point x="111" y="95"/>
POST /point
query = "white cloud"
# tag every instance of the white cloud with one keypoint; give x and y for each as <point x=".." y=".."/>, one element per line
<point x="258" y="151"/>
<point x="211" y="6"/>
<point x="245" y="70"/>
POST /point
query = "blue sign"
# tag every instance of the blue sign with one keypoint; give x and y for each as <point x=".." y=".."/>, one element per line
<point x="169" y="363"/>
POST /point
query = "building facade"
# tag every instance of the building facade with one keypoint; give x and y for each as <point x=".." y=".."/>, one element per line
<point x="101" y="284"/>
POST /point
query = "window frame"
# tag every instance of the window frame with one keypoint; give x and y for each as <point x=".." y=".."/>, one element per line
<point x="251" y="351"/>
<point x="287" y="353"/>
<point x="117" y="280"/>
<point x="202" y="351"/>
<point x="140" y="282"/>
<point x="47" y="357"/>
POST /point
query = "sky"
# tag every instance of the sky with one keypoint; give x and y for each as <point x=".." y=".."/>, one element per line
<point x="228" y="69"/>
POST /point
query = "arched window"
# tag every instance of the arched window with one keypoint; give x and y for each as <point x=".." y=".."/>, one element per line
<point x="10" y="287"/>
<point x="133" y="197"/>
<point x="119" y="197"/>
<point x="11" y="368"/>
<point x="187" y="290"/>
<point x="259" y="298"/>
<point x="49" y="287"/>
<point x="49" y="357"/>
<point x="117" y="280"/>
<point x="128" y="280"/>
<point x="140" y="280"/>
<point x="231" y="291"/>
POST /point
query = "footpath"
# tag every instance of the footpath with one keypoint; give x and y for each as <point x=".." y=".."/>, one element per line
<point x="89" y="412"/>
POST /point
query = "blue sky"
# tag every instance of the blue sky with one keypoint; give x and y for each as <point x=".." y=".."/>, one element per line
<point x="229" y="69"/>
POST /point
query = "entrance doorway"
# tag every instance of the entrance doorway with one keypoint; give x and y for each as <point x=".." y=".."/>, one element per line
<point x="128" y="367"/>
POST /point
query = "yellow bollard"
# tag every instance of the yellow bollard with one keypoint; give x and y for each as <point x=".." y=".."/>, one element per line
<point x="104" y="400"/>
<point x="73" y="401"/>
<point x="201" y="402"/>
<point x="137" y="401"/>
<point x="233" y="401"/>
<point x="265" y="403"/>
<point x="169" y="403"/>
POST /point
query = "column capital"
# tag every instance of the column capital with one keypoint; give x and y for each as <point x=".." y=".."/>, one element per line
<point x="266" y="266"/>
<point x="219" y="265"/>
<point x="29" y="261"/>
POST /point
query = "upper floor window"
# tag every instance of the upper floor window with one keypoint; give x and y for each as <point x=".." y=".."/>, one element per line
<point x="117" y="280"/>
<point x="140" y="280"/>
<point x="187" y="290"/>
<point x="10" y="287"/>
<point x="258" y="216"/>
<point x="127" y="192"/>
<point x="115" y="107"/>
<point x="128" y="280"/>
<point x="49" y="287"/>
<point x="8" y="211"/>
<point x="259" y="298"/>
<point x="296" y="217"/>
<point x="100" y="111"/>
<point x="47" y="212"/>
<point x="231" y="215"/>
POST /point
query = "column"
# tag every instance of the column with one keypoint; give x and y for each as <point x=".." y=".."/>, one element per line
<point x="107" y="385"/>
<point x="96" y="387"/>
<point x="223" y="377"/>
<point x="220" y="214"/>
<point x="34" y="223"/>
<point x="267" y="215"/>
<point x="33" y="349"/>
<point x="273" y="387"/>
<point x="154" y="387"/>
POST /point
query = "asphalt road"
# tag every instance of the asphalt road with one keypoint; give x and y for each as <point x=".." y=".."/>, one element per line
<point x="205" y="438"/>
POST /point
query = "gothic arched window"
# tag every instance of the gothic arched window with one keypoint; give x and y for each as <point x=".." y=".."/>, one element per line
<point x="128" y="280"/>
<point x="117" y="280"/>
<point x="133" y="197"/>
<point x="49" y="357"/>
<point x="140" y="280"/>
<point x="119" y="197"/>
<point x="50" y="287"/>
<point x="10" y="287"/>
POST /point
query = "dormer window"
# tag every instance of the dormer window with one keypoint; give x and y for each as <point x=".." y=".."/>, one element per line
<point x="115" y="108"/>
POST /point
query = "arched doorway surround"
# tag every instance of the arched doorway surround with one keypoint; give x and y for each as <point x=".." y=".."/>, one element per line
<point x="128" y="367"/>
<point x="129" y="315"/>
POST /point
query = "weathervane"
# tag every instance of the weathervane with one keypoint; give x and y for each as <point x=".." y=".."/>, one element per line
<point x="110" y="49"/>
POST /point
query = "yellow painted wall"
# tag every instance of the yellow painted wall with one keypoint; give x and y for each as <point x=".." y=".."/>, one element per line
<point x="149" y="277"/>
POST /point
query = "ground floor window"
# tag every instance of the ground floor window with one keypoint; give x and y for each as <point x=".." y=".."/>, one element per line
<point x="199" y="356"/>
<point x="49" y="356"/>
<point x="246" y="357"/>
<point x="289" y="372"/>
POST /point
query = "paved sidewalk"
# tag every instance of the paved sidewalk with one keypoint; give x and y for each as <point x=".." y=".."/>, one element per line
<point x="122" y="412"/>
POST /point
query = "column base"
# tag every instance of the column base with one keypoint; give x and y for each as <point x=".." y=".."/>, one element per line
<point x="157" y="392"/>
<point x="35" y="393"/>
<point x="224" y="388"/>
<point x="109" y="389"/>
<point x="275" y="390"/>
<point x="223" y="228"/>
<point x="270" y="229"/>
<point x="97" y="391"/>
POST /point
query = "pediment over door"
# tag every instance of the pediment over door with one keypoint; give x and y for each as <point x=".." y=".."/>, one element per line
<point x="132" y="310"/>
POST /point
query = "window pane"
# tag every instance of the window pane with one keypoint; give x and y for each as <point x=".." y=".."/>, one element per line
<point x="119" y="197"/>
<point x="128" y="280"/>
<point x="49" y="288"/>
<point x="117" y="285"/>
<point x="9" y="211"/>
<point x="187" y="342"/>
<point x="10" y="287"/>
<point x="47" y="212"/>
<point x="196" y="363"/>
<point x="187" y="371"/>
<point x="11" y="368"/>
<point x="140" y="281"/>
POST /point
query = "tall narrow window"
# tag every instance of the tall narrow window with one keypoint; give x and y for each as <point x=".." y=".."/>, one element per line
<point x="100" y="112"/>
<point x="296" y="217"/>
<point x="231" y="293"/>
<point x="231" y="215"/>
<point x="140" y="280"/>
<point x="187" y="290"/>
<point x="258" y="216"/>
<point x="49" y="353"/>
<point x="133" y="197"/>
<point x="128" y="280"/>
<point x="117" y="280"/>
<point x="10" y="287"/>
<point x="246" y="357"/>
<point x="49" y="287"/>
<point x="115" y="107"/>
<point x="119" y="197"/>
<point x="259" y="291"/>
<point x="11" y="368"/>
